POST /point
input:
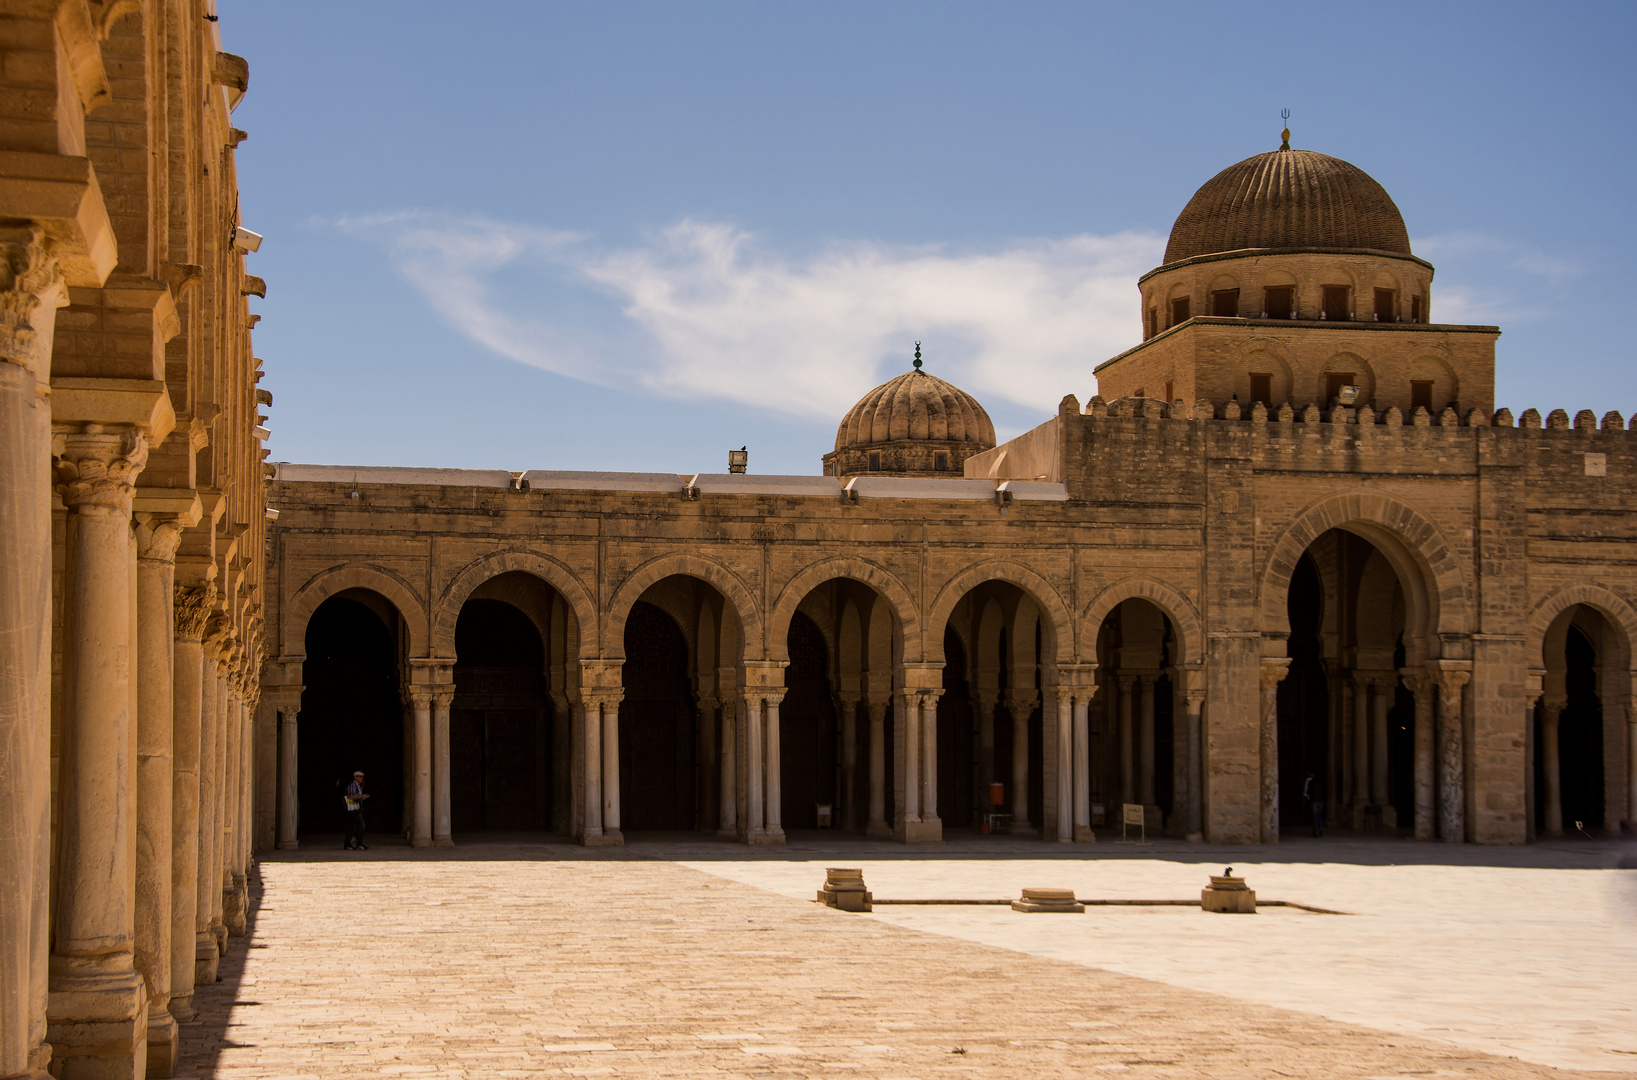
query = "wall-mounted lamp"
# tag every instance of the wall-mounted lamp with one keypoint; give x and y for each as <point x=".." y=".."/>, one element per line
<point x="1346" y="396"/>
<point x="245" y="240"/>
<point x="738" y="460"/>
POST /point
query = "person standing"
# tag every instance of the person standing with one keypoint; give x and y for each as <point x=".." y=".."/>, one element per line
<point x="355" y="814"/>
<point x="1313" y="792"/>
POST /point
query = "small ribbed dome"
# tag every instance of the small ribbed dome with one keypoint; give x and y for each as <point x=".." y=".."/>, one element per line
<point x="916" y="405"/>
<point x="1288" y="199"/>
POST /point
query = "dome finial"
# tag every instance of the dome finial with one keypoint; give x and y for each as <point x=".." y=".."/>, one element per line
<point x="1285" y="135"/>
<point x="917" y="356"/>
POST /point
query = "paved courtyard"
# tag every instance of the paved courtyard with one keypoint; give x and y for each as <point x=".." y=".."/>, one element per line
<point x="502" y="959"/>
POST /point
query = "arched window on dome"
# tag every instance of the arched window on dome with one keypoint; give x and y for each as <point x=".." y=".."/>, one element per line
<point x="1225" y="303"/>
<point x="1386" y="305"/>
<point x="1418" y="309"/>
<point x="1279" y="302"/>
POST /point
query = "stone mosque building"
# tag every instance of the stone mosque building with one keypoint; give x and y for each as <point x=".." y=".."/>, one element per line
<point x="1292" y="534"/>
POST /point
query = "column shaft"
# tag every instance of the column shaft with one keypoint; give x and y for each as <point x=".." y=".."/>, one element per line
<point x="1361" y="749"/>
<point x="218" y="927"/>
<point x="592" y="744"/>
<point x="234" y="894"/>
<point x="1451" y="757"/>
<point x="753" y="767"/>
<point x="98" y="1001"/>
<point x="849" y="764"/>
<point x="775" y="785"/>
<point x="1380" y="792"/>
<point x="1273" y="672"/>
<point x="876" y="822"/>
<point x="443" y="697"/>
<point x="1196" y="776"/>
<point x="1021" y="711"/>
<point x="929" y="759"/>
<point x="912" y="758"/>
<point x="206" y="883"/>
<point x="155" y="577"/>
<point x="1065" y="766"/>
<point x="1128" y="756"/>
<point x="1552" y="768"/>
<point x="1425" y="758"/>
<point x="611" y="767"/>
<point x="192" y="605"/>
<point x="1146" y="765"/>
<point x="420" y="831"/>
<point x="727" y="786"/>
<point x="289" y="806"/>
<point x="1082" y="768"/>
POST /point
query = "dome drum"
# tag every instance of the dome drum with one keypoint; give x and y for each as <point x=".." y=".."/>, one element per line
<point x="913" y="425"/>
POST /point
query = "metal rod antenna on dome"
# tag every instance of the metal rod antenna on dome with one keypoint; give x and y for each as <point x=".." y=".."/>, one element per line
<point x="1284" y="114"/>
<point x="917" y="356"/>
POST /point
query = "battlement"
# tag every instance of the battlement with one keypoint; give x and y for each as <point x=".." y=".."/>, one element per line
<point x="1364" y="416"/>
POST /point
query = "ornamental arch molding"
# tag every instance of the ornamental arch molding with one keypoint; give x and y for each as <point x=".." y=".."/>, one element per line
<point x="1437" y="587"/>
<point x="885" y="584"/>
<point x="1044" y="595"/>
<point x="336" y="579"/>
<point x="711" y="572"/>
<point x="1615" y="609"/>
<point x="1171" y="603"/>
<point x="476" y="572"/>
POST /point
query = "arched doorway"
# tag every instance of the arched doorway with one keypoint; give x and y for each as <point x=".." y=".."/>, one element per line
<point x="1346" y="719"/>
<point x="1572" y="742"/>
<point x="657" y="725"/>
<point x="810" y="747"/>
<point x="500" y="724"/>
<point x="990" y="717"/>
<point x="1135" y="757"/>
<point x="352" y="714"/>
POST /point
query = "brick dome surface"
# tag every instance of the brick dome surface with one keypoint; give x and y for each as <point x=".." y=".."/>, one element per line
<point x="916" y="405"/>
<point x="1288" y="199"/>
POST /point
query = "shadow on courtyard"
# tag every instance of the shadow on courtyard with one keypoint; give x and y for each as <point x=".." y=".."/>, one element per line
<point x="209" y="1032"/>
<point x="1367" y="849"/>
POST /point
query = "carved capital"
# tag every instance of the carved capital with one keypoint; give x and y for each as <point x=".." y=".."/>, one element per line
<point x="97" y="465"/>
<point x="443" y="697"/>
<point x="193" y="604"/>
<point x="1196" y="701"/>
<point x="420" y="697"/>
<point x="1274" y="670"/>
<point x="28" y="274"/>
<point x="157" y="537"/>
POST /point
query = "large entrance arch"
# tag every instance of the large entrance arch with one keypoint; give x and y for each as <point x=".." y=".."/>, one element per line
<point x="352" y="714"/>
<point x="1578" y="750"/>
<point x="658" y="725"/>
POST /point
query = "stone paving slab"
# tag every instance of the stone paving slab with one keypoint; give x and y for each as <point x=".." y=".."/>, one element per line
<point x="1540" y="963"/>
<point x="554" y="964"/>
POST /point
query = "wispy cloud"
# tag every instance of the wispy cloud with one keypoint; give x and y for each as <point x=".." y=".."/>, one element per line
<point x="718" y="315"/>
<point x="1488" y="279"/>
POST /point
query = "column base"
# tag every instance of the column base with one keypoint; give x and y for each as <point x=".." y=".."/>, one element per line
<point x="1153" y="819"/>
<point x="97" y="1025"/>
<point x="420" y="841"/>
<point x="765" y="837"/>
<point x="922" y="832"/>
<point x="288" y="845"/>
<point x="235" y="907"/>
<point x="162" y="1034"/>
<point x="442" y="841"/>
<point x="1195" y="838"/>
<point x="606" y="838"/>
<point x="878" y="828"/>
<point x="218" y="930"/>
<point x="181" y="1007"/>
<point x="1084" y="835"/>
<point x="206" y="959"/>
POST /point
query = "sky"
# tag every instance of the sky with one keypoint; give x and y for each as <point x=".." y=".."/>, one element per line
<point x="633" y="236"/>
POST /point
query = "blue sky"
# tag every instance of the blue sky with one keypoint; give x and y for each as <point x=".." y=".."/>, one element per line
<point x="633" y="236"/>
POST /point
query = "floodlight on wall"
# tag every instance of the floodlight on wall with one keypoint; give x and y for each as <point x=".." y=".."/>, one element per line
<point x="272" y="515"/>
<point x="738" y="460"/>
<point x="1347" y="396"/>
<point x="245" y="240"/>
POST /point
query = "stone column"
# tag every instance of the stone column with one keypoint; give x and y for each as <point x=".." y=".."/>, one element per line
<point x="706" y="771"/>
<point x="235" y="894"/>
<point x="207" y="883"/>
<point x="1361" y="748"/>
<point x="1196" y="774"/>
<point x="219" y="845"/>
<point x="1531" y="698"/>
<point x="1631" y="760"/>
<point x="31" y="290"/>
<point x="420" y="830"/>
<point x="443" y="697"/>
<point x="1065" y="766"/>
<point x="1274" y="670"/>
<point x="611" y="768"/>
<point x="727" y="786"/>
<point x="1451" y="755"/>
<point x="1380" y="791"/>
<point x="876" y="822"/>
<point x="1552" y="766"/>
<point x="591" y="742"/>
<point x="1421" y="685"/>
<point x="157" y="539"/>
<point x="984" y="701"/>
<point x="849" y="763"/>
<point x="1021" y="705"/>
<point x="1128" y="750"/>
<point x="775" y="783"/>
<point x="753" y="767"/>
<point x="929" y="759"/>
<point x="912" y="759"/>
<point x="1082" y="769"/>
<point x="97" y="1003"/>
<point x="192" y="604"/>
<point x="289" y="818"/>
<point x="1146" y="754"/>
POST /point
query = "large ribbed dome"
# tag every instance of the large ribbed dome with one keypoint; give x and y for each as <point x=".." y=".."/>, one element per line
<point x="1288" y="199"/>
<point x="916" y="406"/>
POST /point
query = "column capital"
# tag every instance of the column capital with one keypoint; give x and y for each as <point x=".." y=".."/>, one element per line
<point x="1274" y="670"/>
<point x="709" y="701"/>
<point x="420" y="697"/>
<point x="29" y="273"/>
<point x="1127" y="682"/>
<point x="193" y="604"/>
<point x="923" y="675"/>
<point x="443" y="696"/>
<point x="97" y="465"/>
<point x="1021" y="704"/>
<point x="158" y="536"/>
<point x="1195" y="700"/>
<point x="1451" y="675"/>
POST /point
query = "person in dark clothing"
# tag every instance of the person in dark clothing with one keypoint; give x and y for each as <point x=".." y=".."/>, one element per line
<point x="1313" y="792"/>
<point x="355" y="814"/>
